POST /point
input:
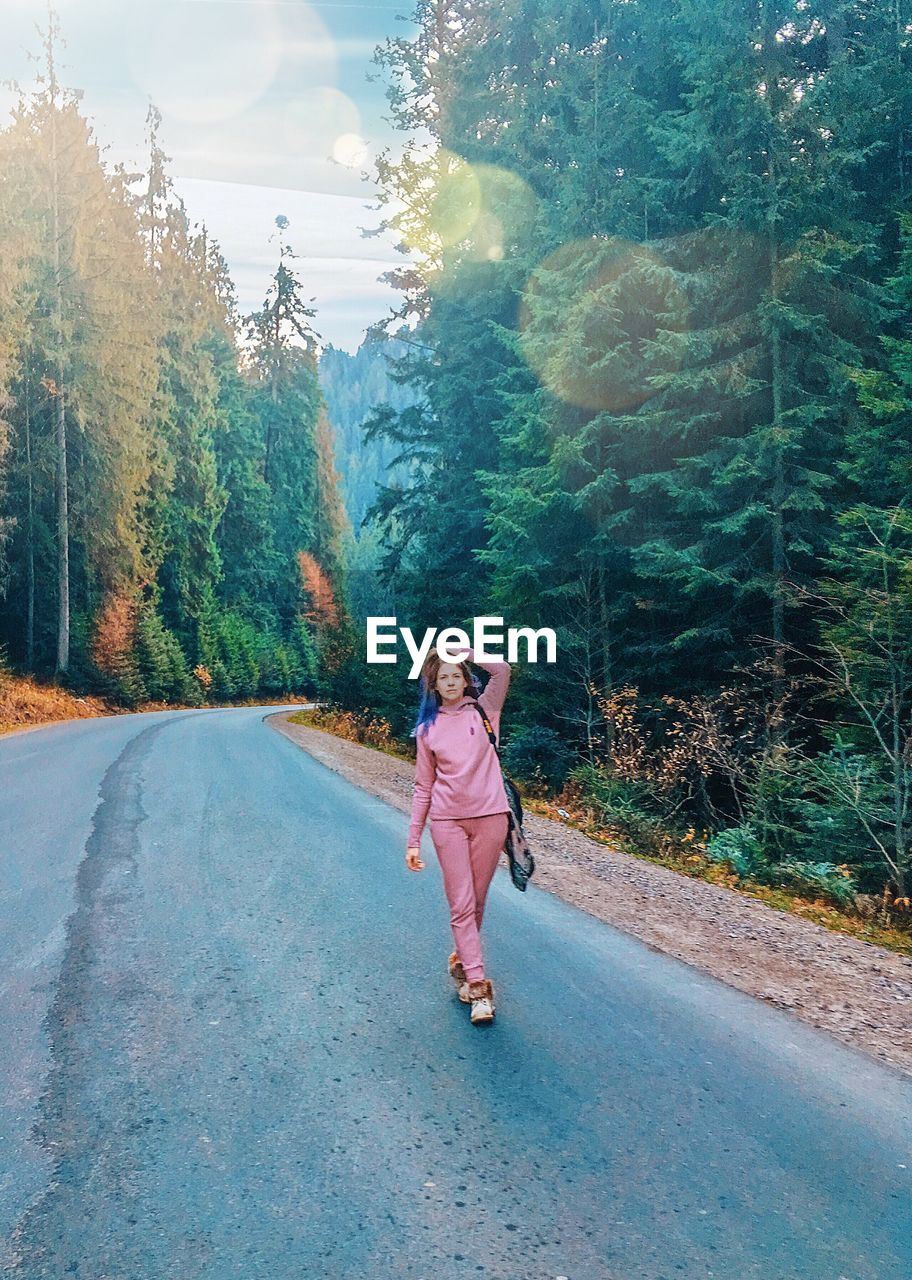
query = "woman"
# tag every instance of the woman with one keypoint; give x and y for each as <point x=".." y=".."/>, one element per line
<point x="458" y="778"/>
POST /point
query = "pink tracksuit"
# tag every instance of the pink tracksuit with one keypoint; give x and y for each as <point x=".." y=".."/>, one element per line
<point x="459" y="782"/>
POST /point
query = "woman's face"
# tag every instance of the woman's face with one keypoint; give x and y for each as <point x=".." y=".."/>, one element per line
<point x="451" y="683"/>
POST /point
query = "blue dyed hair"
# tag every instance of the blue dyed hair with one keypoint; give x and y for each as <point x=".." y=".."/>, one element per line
<point x="430" y="698"/>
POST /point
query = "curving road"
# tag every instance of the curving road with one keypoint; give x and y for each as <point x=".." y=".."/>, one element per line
<point x="229" y="1049"/>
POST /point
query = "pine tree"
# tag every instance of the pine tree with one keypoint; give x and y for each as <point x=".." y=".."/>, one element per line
<point x="245" y="536"/>
<point x="186" y="501"/>
<point x="759" y="379"/>
<point x="286" y="400"/>
<point x="88" y="369"/>
<point x="284" y="343"/>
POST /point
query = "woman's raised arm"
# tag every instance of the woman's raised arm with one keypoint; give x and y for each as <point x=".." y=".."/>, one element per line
<point x="496" y="689"/>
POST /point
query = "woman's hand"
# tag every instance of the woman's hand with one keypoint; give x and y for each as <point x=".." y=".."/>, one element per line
<point x="413" y="859"/>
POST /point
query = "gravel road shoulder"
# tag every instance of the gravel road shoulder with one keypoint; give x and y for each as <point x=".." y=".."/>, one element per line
<point x="857" y="992"/>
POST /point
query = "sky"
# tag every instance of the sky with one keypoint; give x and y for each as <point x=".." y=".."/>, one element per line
<point x="266" y="108"/>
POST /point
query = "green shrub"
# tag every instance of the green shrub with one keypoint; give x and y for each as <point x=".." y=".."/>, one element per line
<point x="221" y="689"/>
<point x="160" y="660"/>
<point x="615" y="799"/>
<point x="740" y="849"/>
<point x="819" y="878"/>
<point x="846" y="798"/>
<point x="278" y="670"/>
<point x="239" y="645"/>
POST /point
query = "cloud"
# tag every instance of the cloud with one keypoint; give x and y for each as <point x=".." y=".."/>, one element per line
<point x="337" y="266"/>
<point x="291" y="143"/>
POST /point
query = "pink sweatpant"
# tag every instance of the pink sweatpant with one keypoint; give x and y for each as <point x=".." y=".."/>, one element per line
<point x="467" y="850"/>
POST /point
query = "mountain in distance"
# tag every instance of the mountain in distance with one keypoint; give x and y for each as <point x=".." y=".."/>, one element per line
<point x="352" y="386"/>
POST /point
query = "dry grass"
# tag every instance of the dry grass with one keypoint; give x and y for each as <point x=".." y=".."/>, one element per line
<point x="368" y="730"/>
<point x="24" y="702"/>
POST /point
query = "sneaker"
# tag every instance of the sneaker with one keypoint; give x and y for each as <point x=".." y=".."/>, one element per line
<point x="483" y="1002"/>
<point x="457" y="973"/>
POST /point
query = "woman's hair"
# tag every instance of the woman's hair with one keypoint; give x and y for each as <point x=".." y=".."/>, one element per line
<point x="430" y="698"/>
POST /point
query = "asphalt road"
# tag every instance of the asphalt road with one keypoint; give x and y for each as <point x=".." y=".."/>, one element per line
<point x="229" y="1048"/>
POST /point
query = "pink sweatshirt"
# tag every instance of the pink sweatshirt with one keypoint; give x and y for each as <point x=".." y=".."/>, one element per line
<point x="457" y="772"/>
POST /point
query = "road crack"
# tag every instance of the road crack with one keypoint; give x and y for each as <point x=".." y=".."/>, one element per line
<point x="94" y="1111"/>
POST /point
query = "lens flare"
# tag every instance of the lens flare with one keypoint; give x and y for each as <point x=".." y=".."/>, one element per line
<point x="595" y="321"/>
<point x="351" y="150"/>
<point x="508" y="208"/>
<point x="456" y="202"/>
<point x="200" y="71"/>
<point x="482" y="208"/>
<point x="478" y="214"/>
<point x="315" y="118"/>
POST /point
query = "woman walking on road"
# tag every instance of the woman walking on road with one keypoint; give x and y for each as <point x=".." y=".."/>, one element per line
<point x="459" y="780"/>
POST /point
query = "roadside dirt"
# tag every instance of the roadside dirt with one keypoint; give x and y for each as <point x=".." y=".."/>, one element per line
<point x="857" y="992"/>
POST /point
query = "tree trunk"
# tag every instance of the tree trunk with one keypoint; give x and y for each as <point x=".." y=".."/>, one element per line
<point x="900" y="784"/>
<point x="29" y="536"/>
<point x="63" y="520"/>
<point x="604" y="625"/>
<point x="777" y="373"/>
<point x="778" y="500"/>
<point x="273" y="390"/>
<point x="901" y="37"/>
<point x="274" y="397"/>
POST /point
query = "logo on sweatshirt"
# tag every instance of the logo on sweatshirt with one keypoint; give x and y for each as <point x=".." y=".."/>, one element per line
<point x="453" y="642"/>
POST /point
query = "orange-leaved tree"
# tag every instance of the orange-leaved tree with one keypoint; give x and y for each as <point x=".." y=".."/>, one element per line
<point x="113" y="645"/>
<point x="335" y="634"/>
<point x="324" y="611"/>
